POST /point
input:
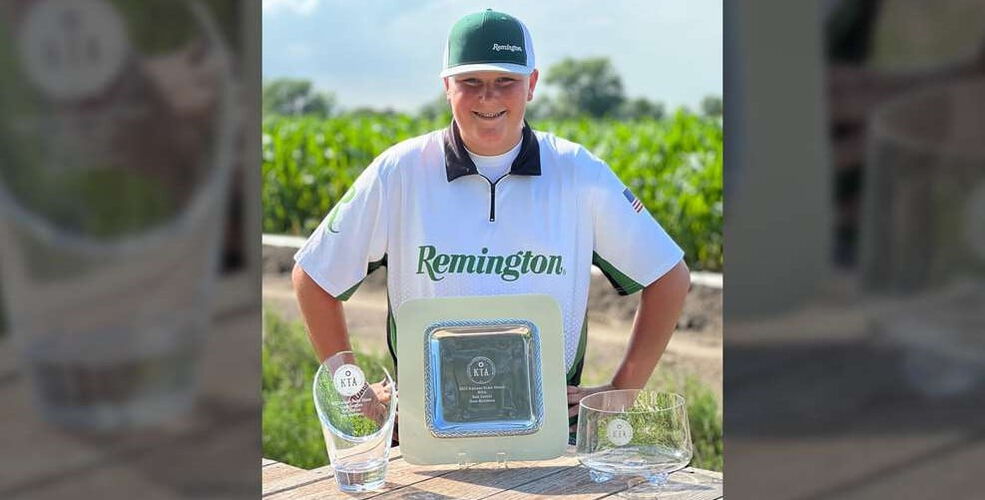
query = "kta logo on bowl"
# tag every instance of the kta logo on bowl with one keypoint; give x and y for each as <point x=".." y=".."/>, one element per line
<point x="619" y="431"/>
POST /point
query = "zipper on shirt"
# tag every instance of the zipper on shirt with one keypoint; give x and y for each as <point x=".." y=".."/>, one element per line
<point x="492" y="196"/>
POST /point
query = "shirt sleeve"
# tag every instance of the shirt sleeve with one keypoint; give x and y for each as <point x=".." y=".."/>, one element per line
<point x="631" y="248"/>
<point x="351" y="241"/>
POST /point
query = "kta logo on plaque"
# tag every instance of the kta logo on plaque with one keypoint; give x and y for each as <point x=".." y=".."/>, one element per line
<point x="348" y="380"/>
<point x="619" y="431"/>
<point x="481" y="370"/>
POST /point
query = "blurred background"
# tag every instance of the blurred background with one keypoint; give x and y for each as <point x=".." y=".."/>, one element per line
<point x="639" y="84"/>
<point x="130" y="268"/>
<point x="855" y="175"/>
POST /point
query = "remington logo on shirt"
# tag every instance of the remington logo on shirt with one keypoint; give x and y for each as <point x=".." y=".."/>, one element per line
<point x="508" y="267"/>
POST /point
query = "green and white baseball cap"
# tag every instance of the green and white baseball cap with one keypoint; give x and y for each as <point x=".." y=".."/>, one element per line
<point x="488" y="41"/>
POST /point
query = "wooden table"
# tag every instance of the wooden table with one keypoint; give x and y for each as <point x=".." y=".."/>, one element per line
<point x="562" y="476"/>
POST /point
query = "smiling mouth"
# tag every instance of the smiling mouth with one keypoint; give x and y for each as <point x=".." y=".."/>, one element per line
<point x="489" y="116"/>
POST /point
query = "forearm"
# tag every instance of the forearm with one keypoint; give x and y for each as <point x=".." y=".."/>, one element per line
<point x="660" y="306"/>
<point x="323" y="316"/>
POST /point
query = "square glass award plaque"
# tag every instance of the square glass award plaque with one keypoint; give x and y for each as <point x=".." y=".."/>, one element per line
<point x="483" y="378"/>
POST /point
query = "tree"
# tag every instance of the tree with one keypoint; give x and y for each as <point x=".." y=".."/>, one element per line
<point x="641" y="107"/>
<point x="541" y="108"/>
<point x="587" y="86"/>
<point x="288" y="96"/>
<point x="436" y="107"/>
<point x="370" y="112"/>
<point x="712" y="106"/>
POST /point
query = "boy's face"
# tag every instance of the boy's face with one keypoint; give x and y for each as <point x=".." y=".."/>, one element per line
<point x="488" y="107"/>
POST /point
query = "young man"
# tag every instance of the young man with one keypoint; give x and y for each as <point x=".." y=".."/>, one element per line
<point x="490" y="207"/>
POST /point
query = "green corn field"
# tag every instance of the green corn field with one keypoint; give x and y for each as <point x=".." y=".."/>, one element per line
<point x="673" y="165"/>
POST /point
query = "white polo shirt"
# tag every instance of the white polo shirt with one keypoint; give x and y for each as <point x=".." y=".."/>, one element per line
<point x="442" y="230"/>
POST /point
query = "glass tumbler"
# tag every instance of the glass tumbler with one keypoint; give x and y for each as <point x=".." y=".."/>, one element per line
<point x="356" y="406"/>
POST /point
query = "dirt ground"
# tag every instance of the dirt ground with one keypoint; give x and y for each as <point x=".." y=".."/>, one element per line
<point x="695" y="349"/>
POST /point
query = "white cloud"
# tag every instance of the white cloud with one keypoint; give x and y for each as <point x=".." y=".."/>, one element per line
<point x="295" y="6"/>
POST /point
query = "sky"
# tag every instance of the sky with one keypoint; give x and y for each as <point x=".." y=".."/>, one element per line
<point x="387" y="53"/>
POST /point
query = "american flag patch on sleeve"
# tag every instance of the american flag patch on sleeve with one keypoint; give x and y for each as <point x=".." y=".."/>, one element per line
<point x="637" y="204"/>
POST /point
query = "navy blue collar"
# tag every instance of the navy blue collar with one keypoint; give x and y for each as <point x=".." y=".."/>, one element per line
<point x="459" y="163"/>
